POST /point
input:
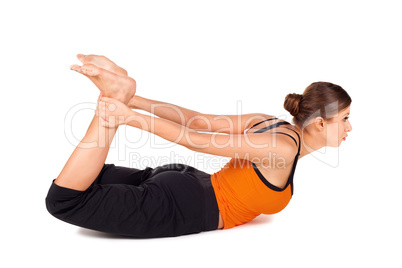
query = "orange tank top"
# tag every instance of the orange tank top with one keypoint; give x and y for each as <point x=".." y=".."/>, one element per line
<point x="243" y="193"/>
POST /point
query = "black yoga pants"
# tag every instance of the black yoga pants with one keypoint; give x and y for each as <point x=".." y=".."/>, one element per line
<point x="165" y="201"/>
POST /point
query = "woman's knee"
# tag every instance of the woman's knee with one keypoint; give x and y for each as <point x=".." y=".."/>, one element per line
<point x="60" y="200"/>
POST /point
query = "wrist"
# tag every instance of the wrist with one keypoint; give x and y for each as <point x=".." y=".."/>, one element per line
<point x="134" y="103"/>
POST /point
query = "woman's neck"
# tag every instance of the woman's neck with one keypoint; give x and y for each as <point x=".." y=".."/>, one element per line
<point x="309" y="142"/>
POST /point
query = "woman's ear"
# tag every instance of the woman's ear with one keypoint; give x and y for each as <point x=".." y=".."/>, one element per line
<point x="319" y="123"/>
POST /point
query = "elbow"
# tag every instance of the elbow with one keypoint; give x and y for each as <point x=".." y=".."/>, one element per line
<point x="197" y="121"/>
<point x="200" y="122"/>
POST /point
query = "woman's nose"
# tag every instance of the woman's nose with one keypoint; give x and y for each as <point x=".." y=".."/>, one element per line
<point x="348" y="127"/>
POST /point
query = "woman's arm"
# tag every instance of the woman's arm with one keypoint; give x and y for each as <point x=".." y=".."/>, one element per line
<point x="229" y="124"/>
<point x="252" y="146"/>
<point x="171" y="112"/>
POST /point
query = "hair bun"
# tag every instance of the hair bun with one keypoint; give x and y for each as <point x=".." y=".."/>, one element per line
<point x="292" y="102"/>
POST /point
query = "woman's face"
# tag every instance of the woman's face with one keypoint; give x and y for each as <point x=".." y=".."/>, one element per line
<point x="338" y="128"/>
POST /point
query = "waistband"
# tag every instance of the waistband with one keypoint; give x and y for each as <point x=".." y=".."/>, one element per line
<point x="211" y="209"/>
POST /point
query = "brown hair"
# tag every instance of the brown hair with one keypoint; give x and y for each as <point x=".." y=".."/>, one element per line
<point x="318" y="99"/>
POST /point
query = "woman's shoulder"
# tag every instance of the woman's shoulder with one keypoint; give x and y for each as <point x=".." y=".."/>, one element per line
<point x="259" y="119"/>
<point x="283" y="137"/>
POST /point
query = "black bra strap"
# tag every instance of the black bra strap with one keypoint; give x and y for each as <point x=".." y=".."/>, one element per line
<point x="298" y="150"/>
<point x="262" y="122"/>
<point x="290" y="180"/>
<point x="280" y="124"/>
<point x="271" y="126"/>
<point x="287" y="135"/>
<point x="277" y="125"/>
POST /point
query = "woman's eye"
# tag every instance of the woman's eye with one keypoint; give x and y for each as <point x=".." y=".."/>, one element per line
<point x="346" y="118"/>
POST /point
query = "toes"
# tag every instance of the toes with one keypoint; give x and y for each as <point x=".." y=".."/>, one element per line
<point x="94" y="59"/>
<point x="90" y="70"/>
<point x="75" y="67"/>
<point x="86" y="69"/>
<point x="89" y="58"/>
<point x="102" y="62"/>
<point x="82" y="58"/>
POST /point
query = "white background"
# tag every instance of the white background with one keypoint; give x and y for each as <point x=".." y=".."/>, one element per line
<point x="208" y="56"/>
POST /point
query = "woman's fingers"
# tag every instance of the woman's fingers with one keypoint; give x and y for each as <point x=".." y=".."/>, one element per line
<point x="106" y="99"/>
<point x="101" y="110"/>
<point x="102" y="122"/>
<point x="106" y="120"/>
<point x="111" y="111"/>
<point x="110" y="106"/>
<point x="101" y="103"/>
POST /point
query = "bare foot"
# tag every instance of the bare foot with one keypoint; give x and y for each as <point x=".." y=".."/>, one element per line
<point x="102" y="62"/>
<point x="110" y="84"/>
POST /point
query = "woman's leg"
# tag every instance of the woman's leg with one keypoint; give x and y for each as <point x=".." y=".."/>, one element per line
<point x="111" y="174"/>
<point x="88" y="158"/>
<point x="160" y="207"/>
<point x="172" y="203"/>
<point x="169" y="203"/>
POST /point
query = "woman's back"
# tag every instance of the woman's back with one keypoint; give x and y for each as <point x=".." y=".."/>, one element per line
<point x="243" y="192"/>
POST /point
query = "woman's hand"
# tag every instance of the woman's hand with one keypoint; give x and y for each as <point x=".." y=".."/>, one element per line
<point x="112" y="112"/>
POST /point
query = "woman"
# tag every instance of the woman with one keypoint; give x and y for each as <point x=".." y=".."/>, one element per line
<point x="177" y="199"/>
